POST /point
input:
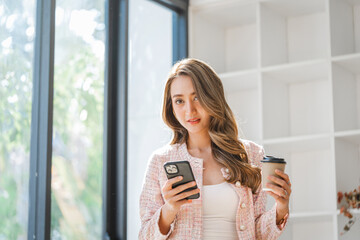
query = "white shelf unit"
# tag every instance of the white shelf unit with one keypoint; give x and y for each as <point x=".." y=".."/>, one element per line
<point x="291" y="74"/>
<point x="347" y="154"/>
<point x="345" y="26"/>
<point x="346" y="92"/>
<point x="296" y="100"/>
<point x="354" y="232"/>
<point x="229" y="29"/>
<point x="304" y="157"/>
<point x="238" y="97"/>
<point x="309" y="227"/>
<point x="293" y="31"/>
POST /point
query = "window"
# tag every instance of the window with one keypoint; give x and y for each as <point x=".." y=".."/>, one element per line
<point x="80" y="86"/>
<point x="76" y="183"/>
<point x="17" y="30"/>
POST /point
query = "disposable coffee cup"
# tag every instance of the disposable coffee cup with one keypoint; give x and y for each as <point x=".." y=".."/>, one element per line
<point x="269" y="164"/>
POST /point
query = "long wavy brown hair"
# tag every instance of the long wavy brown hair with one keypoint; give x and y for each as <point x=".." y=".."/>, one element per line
<point x="225" y="145"/>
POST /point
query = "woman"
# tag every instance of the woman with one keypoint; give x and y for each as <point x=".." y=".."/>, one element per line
<point x="226" y="169"/>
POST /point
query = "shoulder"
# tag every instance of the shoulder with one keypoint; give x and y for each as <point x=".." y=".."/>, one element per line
<point x="159" y="157"/>
<point x="165" y="153"/>
<point x="254" y="150"/>
<point x="166" y="150"/>
<point x="251" y="146"/>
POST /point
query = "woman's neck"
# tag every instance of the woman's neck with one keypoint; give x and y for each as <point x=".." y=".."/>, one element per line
<point x="199" y="142"/>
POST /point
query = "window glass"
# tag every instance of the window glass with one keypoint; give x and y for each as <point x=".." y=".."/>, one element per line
<point x="76" y="185"/>
<point x="17" y="30"/>
<point x="150" y="59"/>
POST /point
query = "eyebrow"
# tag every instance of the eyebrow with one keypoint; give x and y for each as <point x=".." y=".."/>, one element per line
<point x="180" y="95"/>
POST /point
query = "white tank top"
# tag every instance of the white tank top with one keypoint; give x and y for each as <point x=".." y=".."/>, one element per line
<point x="220" y="203"/>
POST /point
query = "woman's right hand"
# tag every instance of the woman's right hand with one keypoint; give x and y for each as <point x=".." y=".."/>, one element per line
<point x="173" y="201"/>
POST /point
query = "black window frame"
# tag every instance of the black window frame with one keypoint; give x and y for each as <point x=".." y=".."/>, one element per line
<point x="39" y="214"/>
<point x="115" y="113"/>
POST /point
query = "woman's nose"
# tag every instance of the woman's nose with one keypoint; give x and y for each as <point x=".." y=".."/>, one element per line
<point x="190" y="107"/>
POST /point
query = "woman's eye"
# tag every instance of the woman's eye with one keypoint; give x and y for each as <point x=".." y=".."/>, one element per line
<point x="178" y="101"/>
<point x="195" y="98"/>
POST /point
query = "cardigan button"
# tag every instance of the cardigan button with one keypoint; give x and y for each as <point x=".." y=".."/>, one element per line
<point x="238" y="184"/>
<point x="242" y="228"/>
<point x="243" y="205"/>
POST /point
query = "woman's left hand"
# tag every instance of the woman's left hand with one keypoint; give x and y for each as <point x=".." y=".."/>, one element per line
<point x="280" y="193"/>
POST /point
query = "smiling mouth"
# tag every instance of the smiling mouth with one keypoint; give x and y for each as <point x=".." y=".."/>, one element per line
<point x="193" y="120"/>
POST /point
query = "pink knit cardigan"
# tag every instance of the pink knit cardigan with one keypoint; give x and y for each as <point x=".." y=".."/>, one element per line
<point x="252" y="221"/>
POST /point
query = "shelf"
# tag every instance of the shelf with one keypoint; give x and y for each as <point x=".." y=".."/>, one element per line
<point x="240" y="80"/>
<point x="296" y="100"/>
<point x="352" y="211"/>
<point x="293" y="31"/>
<point x="291" y="75"/>
<point x="346" y="82"/>
<point x="240" y="90"/>
<point x="229" y="29"/>
<point x="312" y="216"/>
<point x="319" y="228"/>
<point x="354" y="232"/>
<point x="311" y="170"/>
<point x="352" y="136"/>
<point x="344" y="58"/>
<point x="345" y="26"/>
<point x="298" y="72"/>
<point x="298" y="143"/>
<point x="347" y="155"/>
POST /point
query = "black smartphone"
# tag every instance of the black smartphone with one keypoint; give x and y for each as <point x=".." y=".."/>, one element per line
<point x="181" y="168"/>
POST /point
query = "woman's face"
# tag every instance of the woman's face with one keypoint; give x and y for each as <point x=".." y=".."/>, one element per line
<point x="187" y="109"/>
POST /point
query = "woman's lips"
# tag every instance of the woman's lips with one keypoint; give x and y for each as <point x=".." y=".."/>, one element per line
<point x="194" y="121"/>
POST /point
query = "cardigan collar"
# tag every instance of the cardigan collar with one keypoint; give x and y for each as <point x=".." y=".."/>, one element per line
<point x="186" y="155"/>
<point x="197" y="165"/>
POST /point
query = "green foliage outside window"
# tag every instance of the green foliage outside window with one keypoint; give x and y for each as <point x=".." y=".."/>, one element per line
<point x="77" y="127"/>
<point x="16" y="53"/>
